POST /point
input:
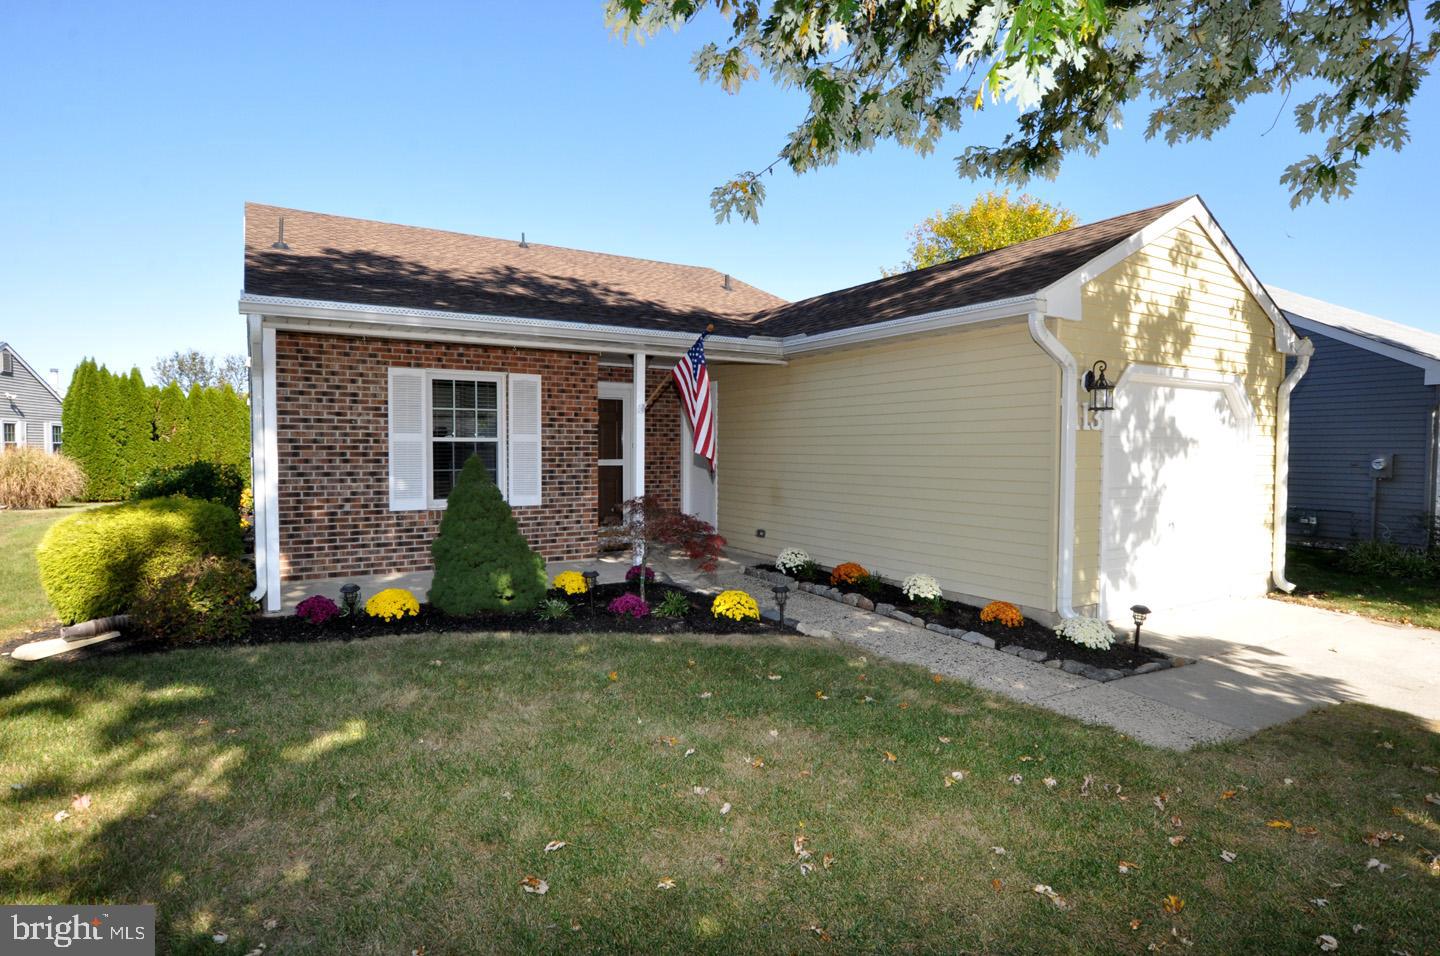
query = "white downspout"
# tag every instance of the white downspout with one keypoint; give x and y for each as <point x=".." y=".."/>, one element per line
<point x="1303" y="351"/>
<point x="257" y="454"/>
<point x="1069" y="425"/>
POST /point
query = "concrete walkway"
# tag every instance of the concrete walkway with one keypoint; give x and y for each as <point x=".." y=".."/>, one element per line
<point x="1261" y="662"/>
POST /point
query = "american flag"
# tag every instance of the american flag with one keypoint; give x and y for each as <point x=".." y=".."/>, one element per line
<point x="693" y="380"/>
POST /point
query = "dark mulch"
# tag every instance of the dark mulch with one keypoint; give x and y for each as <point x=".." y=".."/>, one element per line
<point x="586" y="617"/>
<point x="1030" y="634"/>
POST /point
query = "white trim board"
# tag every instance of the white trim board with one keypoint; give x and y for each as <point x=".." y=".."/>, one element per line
<point x="621" y="392"/>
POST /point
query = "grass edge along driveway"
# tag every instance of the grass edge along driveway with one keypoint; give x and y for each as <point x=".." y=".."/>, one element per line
<point x="386" y="795"/>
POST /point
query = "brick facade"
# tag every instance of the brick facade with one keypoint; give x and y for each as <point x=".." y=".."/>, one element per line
<point x="331" y="393"/>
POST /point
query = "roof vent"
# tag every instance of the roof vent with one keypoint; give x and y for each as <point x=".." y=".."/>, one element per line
<point x="727" y="282"/>
<point x="280" y="243"/>
<point x="523" y="243"/>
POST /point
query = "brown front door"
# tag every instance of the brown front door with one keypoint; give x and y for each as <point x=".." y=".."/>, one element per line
<point x="612" y="459"/>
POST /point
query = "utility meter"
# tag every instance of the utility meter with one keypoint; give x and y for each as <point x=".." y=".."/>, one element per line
<point x="1382" y="466"/>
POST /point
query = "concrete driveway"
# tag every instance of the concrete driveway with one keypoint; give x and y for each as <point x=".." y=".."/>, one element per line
<point x="1262" y="662"/>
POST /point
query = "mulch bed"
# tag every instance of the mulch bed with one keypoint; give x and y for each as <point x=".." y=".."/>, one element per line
<point x="963" y="616"/>
<point x="290" y="628"/>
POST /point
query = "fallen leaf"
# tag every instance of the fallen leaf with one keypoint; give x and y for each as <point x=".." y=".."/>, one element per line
<point x="1426" y="768"/>
<point x="1050" y="783"/>
<point x="828" y="860"/>
<point x="772" y="676"/>
<point x="699" y="791"/>
<point x="1134" y="924"/>
<point x="997" y="884"/>
<point x="904" y="705"/>
<point x="774" y="733"/>
<point x="690" y="752"/>
<point x="757" y="762"/>
<point x="724" y="809"/>
<point x="1016" y="778"/>
<point x="805" y="868"/>
<point x="1045" y="891"/>
<point x="666" y="884"/>
<point x="82" y="802"/>
<point x="554" y="845"/>
<point x="1432" y="798"/>
<point x="690" y="662"/>
<point x="1386" y="745"/>
<point x="61" y="815"/>
<point x="937" y="678"/>
<point x="1307" y="831"/>
<point x="270" y="923"/>
<point x="1374" y="864"/>
<point x="821" y="695"/>
<point x="1125" y="866"/>
<point x="706" y="695"/>
<point x="221" y="938"/>
<point x="1172" y="904"/>
<point x="668" y="741"/>
<point x="890" y="757"/>
<point x="613" y="675"/>
<point x="1177" y="839"/>
<point x="1280" y="825"/>
<point x="868" y="700"/>
<point x="1327" y="943"/>
<point x="1289" y="781"/>
<point x="824" y="936"/>
<point x="944" y="740"/>
<point x="533" y="884"/>
<point x="1228" y="856"/>
<point x="1319" y="903"/>
<point x="1227" y="795"/>
<point x="1086" y="784"/>
<point x="998" y="850"/>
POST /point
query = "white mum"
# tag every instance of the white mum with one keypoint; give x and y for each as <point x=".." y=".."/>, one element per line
<point x="1087" y="632"/>
<point x="792" y="560"/>
<point x="920" y="587"/>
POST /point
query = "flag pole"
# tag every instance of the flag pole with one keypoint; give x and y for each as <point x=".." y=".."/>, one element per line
<point x="709" y="328"/>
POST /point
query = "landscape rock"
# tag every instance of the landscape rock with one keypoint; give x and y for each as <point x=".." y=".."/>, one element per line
<point x="1053" y="663"/>
<point x="1102" y="674"/>
<point x="1030" y="654"/>
<point x="902" y="616"/>
<point x="1152" y="667"/>
<point x="939" y="629"/>
<point x="887" y="609"/>
<point x="865" y="604"/>
<point x="812" y="631"/>
<point x="852" y="599"/>
<point x="1073" y="667"/>
<point x="975" y="637"/>
<point x="1012" y="649"/>
<point x="770" y="615"/>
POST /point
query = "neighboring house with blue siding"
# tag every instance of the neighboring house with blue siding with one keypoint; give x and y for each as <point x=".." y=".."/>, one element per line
<point x="1362" y="427"/>
<point x="29" y="404"/>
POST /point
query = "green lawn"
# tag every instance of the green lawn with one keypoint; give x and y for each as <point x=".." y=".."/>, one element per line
<point x="24" y="607"/>
<point x="387" y="795"/>
<point x="1319" y="580"/>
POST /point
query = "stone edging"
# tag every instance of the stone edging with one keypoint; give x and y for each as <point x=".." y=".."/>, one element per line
<point x="863" y="603"/>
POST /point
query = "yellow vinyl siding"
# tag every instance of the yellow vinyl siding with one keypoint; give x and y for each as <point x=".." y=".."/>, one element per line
<point x="933" y="454"/>
<point x="1174" y="303"/>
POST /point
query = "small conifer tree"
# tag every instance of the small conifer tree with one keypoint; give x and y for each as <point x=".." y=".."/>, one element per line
<point x="482" y="561"/>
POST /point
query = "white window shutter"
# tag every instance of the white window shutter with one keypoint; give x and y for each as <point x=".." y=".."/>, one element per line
<point x="524" y="458"/>
<point x="407" y="440"/>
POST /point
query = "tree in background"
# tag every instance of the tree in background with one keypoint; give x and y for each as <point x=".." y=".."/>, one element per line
<point x="124" y="429"/>
<point x="192" y="367"/>
<point x="912" y="72"/>
<point x="992" y="221"/>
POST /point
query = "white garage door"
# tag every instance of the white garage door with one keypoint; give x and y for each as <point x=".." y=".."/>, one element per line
<point x="1182" y="516"/>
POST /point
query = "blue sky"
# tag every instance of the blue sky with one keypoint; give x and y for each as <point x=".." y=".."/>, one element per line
<point x="134" y="132"/>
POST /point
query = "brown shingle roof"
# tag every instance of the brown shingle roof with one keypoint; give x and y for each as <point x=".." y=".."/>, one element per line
<point x="337" y="259"/>
<point x="1022" y="269"/>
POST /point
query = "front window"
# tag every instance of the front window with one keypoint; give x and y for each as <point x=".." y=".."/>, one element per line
<point x="464" y="422"/>
<point x="56" y="444"/>
<point x="8" y="432"/>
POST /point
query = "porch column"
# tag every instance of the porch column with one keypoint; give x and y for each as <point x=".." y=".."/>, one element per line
<point x="637" y="427"/>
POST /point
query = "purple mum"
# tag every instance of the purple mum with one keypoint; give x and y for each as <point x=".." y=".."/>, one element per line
<point x="634" y="572"/>
<point x="631" y="604"/>
<point x="317" y="609"/>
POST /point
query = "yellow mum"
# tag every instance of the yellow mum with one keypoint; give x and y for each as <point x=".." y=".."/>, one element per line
<point x="392" y="604"/>
<point x="736" y="605"/>
<point x="1002" y="611"/>
<point x="571" y="582"/>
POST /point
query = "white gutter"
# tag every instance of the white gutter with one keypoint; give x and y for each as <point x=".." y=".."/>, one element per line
<point x="257" y="453"/>
<point x="1069" y="425"/>
<point x="1303" y="350"/>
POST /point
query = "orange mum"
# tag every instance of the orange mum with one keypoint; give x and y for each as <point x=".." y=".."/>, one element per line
<point x="848" y="573"/>
<point x="1002" y="611"/>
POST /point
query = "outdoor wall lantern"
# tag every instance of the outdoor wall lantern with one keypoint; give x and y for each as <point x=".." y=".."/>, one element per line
<point x="591" y="579"/>
<point x="350" y="599"/>
<point x="782" y="592"/>
<point x="1139" y="612"/>
<point x="1101" y="389"/>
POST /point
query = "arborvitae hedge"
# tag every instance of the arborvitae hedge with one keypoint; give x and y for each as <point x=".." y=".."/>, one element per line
<point x="482" y="561"/>
<point x="120" y="430"/>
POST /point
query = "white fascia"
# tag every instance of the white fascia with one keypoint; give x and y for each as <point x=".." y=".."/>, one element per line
<point x="1064" y="295"/>
<point x="939" y="321"/>
<point x="513" y="331"/>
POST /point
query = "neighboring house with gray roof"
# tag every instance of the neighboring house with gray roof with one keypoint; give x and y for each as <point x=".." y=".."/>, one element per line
<point x="1363" y="427"/>
<point x="29" y="404"/>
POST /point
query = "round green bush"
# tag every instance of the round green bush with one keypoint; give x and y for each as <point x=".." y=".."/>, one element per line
<point x="207" y="600"/>
<point x="205" y="480"/>
<point x="92" y="563"/>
